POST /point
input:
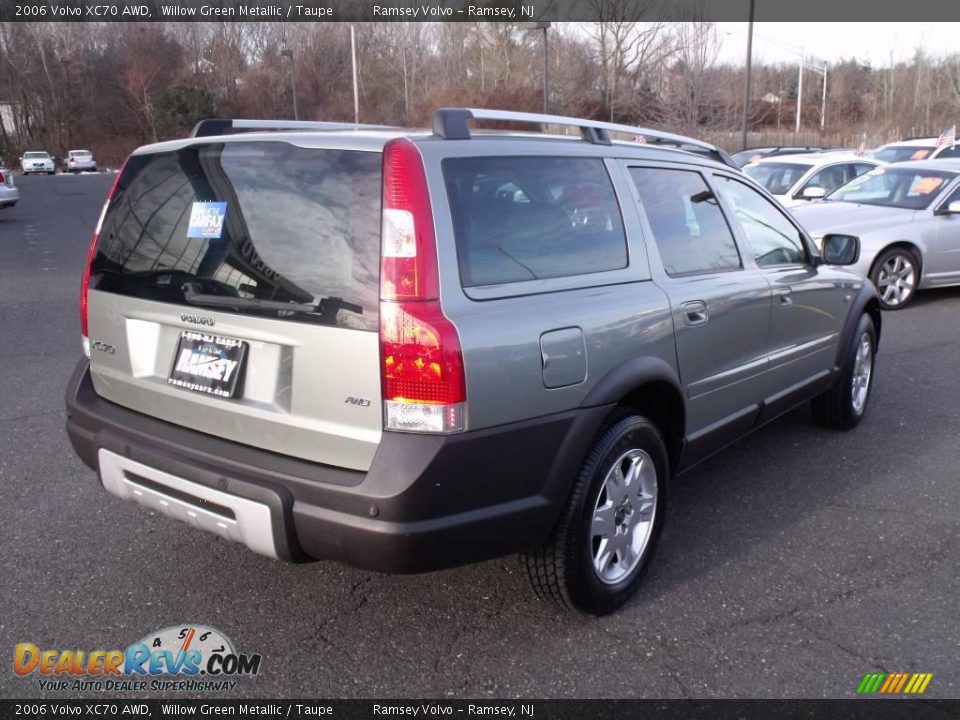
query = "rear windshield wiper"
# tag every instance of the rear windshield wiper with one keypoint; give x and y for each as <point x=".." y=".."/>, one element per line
<point x="326" y="306"/>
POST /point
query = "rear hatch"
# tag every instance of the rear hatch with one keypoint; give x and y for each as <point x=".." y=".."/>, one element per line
<point x="80" y="159"/>
<point x="234" y="291"/>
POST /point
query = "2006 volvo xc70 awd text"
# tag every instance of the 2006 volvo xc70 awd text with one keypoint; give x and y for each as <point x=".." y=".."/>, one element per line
<point x="408" y="350"/>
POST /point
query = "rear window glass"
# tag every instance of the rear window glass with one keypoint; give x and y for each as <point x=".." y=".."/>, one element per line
<point x="902" y="153"/>
<point x="263" y="221"/>
<point x="529" y="218"/>
<point x="36" y="155"/>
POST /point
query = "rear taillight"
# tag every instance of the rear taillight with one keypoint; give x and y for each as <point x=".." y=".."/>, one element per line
<point x="85" y="284"/>
<point x="421" y="361"/>
<point x="2" y="178"/>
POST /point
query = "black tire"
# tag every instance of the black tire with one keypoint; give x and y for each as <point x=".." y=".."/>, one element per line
<point x="838" y="408"/>
<point x="562" y="570"/>
<point x="889" y="299"/>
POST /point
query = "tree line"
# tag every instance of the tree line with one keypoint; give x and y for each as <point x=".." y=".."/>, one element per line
<point x="110" y="87"/>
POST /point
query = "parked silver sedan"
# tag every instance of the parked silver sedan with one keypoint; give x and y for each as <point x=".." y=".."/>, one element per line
<point x="907" y="217"/>
<point x="8" y="191"/>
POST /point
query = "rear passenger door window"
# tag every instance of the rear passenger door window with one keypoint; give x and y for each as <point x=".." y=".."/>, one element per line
<point x="518" y="219"/>
<point x="829" y="178"/>
<point x="688" y="226"/>
<point x="771" y="237"/>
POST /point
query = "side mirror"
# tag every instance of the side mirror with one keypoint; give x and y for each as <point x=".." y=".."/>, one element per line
<point x="813" y="193"/>
<point x="949" y="209"/>
<point x="840" y="249"/>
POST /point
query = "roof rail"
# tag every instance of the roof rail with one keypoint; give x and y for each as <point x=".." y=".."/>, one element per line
<point x="452" y="124"/>
<point x="222" y="126"/>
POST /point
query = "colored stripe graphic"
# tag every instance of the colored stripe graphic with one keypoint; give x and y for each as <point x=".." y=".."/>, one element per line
<point x="903" y="680"/>
<point x="894" y="683"/>
<point x="871" y="683"/>
<point x="890" y="682"/>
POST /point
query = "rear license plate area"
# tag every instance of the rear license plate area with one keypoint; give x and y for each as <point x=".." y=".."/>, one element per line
<point x="208" y="364"/>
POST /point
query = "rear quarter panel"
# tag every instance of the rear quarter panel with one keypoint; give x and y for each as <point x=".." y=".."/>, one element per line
<point x="622" y="314"/>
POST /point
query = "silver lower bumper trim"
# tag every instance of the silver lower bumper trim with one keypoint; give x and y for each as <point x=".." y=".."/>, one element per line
<point x="251" y="522"/>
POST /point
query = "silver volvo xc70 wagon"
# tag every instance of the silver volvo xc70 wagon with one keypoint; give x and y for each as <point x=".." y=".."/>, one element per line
<point x="408" y="350"/>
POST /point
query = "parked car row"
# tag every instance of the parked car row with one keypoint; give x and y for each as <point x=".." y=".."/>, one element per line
<point x="41" y="162"/>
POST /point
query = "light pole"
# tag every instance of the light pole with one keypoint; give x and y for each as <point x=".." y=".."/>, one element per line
<point x="746" y="81"/>
<point x="353" y="65"/>
<point x="821" y="70"/>
<point x="288" y="53"/>
<point x="546" y="60"/>
<point x="800" y="53"/>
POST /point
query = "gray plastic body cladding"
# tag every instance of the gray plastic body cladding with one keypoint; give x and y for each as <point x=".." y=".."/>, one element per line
<point x="428" y="501"/>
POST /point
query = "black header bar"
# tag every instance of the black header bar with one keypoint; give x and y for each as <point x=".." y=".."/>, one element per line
<point x="174" y="709"/>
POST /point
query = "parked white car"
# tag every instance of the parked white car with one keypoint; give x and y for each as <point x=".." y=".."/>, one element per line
<point x="915" y="149"/>
<point x="795" y="179"/>
<point x="37" y="161"/>
<point x="8" y="192"/>
<point x="79" y="161"/>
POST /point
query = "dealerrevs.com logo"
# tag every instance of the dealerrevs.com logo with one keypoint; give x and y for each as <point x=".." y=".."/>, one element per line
<point x="184" y="657"/>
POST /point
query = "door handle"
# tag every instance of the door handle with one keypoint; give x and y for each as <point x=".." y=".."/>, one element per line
<point x="785" y="299"/>
<point x="695" y="312"/>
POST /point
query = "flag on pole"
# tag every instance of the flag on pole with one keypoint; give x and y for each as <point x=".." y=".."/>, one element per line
<point x="862" y="147"/>
<point x="947" y="137"/>
<point x="640" y="139"/>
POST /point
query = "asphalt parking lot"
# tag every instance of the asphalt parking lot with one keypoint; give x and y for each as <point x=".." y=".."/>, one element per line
<point x="790" y="565"/>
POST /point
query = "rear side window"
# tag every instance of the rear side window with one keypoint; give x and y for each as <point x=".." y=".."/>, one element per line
<point x="529" y="218"/>
<point x="253" y="221"/>
<point x="688" y="226"/>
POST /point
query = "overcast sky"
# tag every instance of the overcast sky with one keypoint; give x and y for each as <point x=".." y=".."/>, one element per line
<point x="873" y="42"/>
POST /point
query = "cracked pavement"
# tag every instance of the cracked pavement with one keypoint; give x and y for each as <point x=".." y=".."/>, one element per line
<point x="790" y="565"/>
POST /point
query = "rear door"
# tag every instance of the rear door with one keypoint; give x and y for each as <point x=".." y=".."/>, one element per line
<point x="193" y="239"/>
<point x="720" y="304"/>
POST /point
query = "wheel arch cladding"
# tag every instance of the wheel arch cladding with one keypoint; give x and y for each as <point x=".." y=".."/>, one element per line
<point x="866" y="301"/>
<point x="650" y="387"/>
<point x="906" y="245"/>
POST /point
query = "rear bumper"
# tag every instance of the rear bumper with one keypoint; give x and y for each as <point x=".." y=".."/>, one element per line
<point x="8" y="196"/>
<point x="427" y="502"/>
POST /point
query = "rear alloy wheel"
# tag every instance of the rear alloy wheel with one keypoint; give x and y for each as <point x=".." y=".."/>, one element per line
<point x="596" y="555"/>
<point x="895" y="275"/>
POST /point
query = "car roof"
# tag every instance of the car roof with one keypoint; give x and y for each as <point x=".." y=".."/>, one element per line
<point x="912" y="142"/>
<point x="374" y="140"/>
<point x="813" y="159"/>
<point x="948" y="164"/>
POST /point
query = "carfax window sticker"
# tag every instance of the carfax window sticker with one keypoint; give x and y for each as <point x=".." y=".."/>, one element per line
<point x="206" y="220"/>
